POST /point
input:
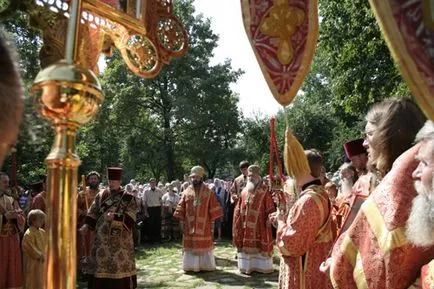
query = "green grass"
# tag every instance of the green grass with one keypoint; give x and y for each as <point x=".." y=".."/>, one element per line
<point x="161" y="267"/>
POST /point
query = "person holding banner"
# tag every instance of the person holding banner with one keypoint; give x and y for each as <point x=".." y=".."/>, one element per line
<point x="305" y="237"/>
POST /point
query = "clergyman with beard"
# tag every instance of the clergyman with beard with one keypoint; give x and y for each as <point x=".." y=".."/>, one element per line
<point x="376" y="252"/>
<point x="112" y="216"/>
<point x="420" y="224"/>
<point x="85" y="199"/>
<point x="346" y="196"/>
<point x="196" y="210"/>
<point x="356" y="190"/>
<point x="252" y="235"/>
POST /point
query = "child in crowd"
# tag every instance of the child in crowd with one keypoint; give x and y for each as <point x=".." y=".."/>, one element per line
<point x="33" y="251"/>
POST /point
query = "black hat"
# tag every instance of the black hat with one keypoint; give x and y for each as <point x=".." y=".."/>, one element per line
<point x="114" y="174"/>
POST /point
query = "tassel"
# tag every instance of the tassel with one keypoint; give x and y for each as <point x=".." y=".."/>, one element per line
<point x="295" y="160"/>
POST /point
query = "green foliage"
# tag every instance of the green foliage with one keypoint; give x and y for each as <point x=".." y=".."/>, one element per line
<point x="353" y="57"/>
<point x="35" y="137"/>
<point x="255" y="142"/>
<point x="351" y="70"/>
<point x="188" y="114"/>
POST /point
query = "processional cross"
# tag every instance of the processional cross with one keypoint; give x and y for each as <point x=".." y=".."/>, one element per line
<point x="67" y="91"/>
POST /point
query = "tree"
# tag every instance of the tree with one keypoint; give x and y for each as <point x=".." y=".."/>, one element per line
<point x="253" y="143"/>
<point x="35" y="137"/>
<point x="353" y="59"/>
<point x="186" y="115"/>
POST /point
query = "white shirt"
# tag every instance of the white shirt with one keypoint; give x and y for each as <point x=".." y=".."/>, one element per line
<point x="152" y="198"/>
<point x="170" y="200"/>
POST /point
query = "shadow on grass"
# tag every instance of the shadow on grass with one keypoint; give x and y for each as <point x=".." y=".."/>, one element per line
<point x="149" y="250"/>
<point x="253" y="280"/>
<point x="151" y="285"/>
<point x="221" y="261"/>
<point x="225" y="262"/>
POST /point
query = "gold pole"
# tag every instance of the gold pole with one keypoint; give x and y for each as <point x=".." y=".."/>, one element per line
<point x="62" y="164"/>
<point x="73" y="30"/>
<point x="68" y="95"/>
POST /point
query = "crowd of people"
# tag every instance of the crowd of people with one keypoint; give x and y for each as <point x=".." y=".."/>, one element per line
<point x="368" y="225"/>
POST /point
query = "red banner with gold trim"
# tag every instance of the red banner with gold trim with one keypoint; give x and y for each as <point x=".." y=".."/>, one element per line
<point x="408" y="26"/>
<point x="283" y="35"/>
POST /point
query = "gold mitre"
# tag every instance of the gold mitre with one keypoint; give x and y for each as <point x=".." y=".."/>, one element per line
<point x="197" y="171"/>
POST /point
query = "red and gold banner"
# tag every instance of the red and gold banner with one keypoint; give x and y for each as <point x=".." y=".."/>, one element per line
<point x="408" y="26"/>
<point x="283" y="35"/>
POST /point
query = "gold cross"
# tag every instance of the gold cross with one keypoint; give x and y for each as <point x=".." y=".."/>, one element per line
<point x="282" y="22"/>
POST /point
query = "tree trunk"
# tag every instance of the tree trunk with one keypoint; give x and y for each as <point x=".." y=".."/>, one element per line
<point x="168" y="141"/>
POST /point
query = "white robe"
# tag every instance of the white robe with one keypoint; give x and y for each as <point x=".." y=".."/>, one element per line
<point x="247" y="263"/>
<point x="196" y="263"/>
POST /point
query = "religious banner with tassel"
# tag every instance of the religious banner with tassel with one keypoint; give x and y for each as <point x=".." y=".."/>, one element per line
<point x="281" y="188"/>
<point x="275" y="181"/>
<point x="283" y="35"/>
<point x="408" y="27"/>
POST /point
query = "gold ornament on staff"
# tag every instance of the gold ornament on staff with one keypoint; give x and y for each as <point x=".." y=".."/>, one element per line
<point x="67" y="91"/>
<point x="69" y="96"/>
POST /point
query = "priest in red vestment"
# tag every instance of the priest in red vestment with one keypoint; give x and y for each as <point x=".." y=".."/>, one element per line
<point x="39" y="202"/>
<point x="420" y="224"/>
<point x="85" y="199"/>
<point x="362" y="188"/>
<point x="197" y="210"/>
<point x="252" y="234"/>
<point x="305" y="237"/>
<point x="240" y="181"/>
<point x="375" y="252"/>
<point x="12" y="221"/>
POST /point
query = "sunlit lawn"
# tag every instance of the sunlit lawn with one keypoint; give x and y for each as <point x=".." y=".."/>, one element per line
<point x="161" y="267"/>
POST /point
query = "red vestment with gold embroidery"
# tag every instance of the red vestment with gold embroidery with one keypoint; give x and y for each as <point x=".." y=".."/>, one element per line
<point x="305" y="241"/>
<point x="84" y="242"/>
<point x="197" y="211"/>
<point x="251" y="231"/>
<point x="374" y="252"/>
